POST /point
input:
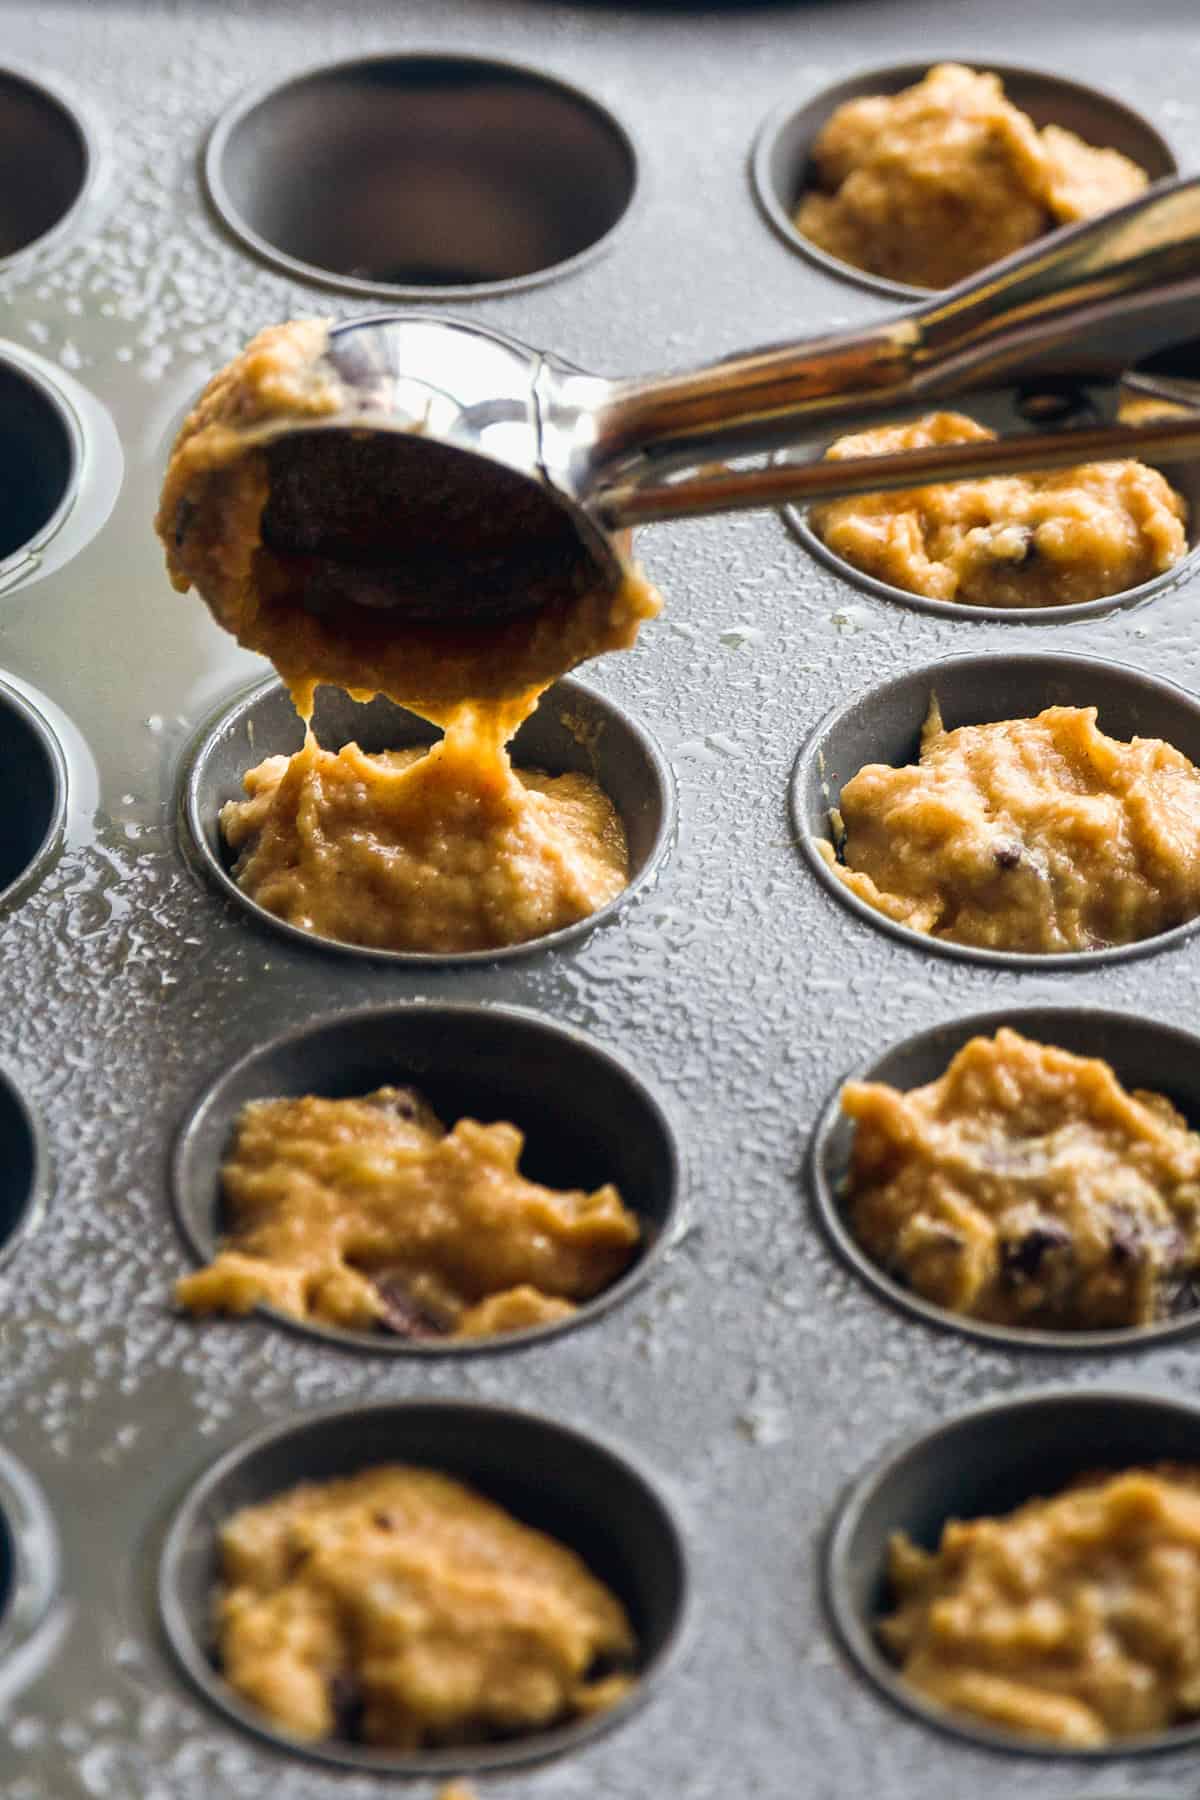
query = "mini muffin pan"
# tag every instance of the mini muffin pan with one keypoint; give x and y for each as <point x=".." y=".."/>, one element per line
<point x="783" y="165"/>
<point x="1143" y="1054"/>
<point x="884" y="726"/>
<point x="572" y="731"/>
<point x="587" y="1120"/>
<point x="987" y="1463"/>
<point x="574" y="174"/>
<point x="547" y="1475"/>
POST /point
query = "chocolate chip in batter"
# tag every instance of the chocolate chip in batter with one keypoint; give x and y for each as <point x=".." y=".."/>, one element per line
<point x="346" y="1700"/>
<point x="402" y="1315"/>
<point x="1023" y="1255"/>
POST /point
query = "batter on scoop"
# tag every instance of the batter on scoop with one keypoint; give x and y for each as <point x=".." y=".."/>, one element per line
<point x="458" y="851"/>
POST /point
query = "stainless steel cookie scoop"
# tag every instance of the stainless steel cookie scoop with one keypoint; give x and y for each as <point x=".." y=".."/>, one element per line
<point x="481" y="473"/>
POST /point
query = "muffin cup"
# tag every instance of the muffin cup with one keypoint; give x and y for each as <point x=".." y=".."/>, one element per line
<point x="49" y="154"/>
<point x="24" y="1166"/>
<point x="33" y="770"/>
<point x="1142" y="1052"/>
<point x="987" y="1462"/>
<point x="574" y="728"/>
<point x="29" y="1572"/>
<point x="41" y="449"/>
<point x="1001" y="413"/>
<point x="782" y="158"/>
<point x="551" y="1477"/>
<point x="412" y="175"/>
<point x="586" y="1117"/>
<point x="884" y="726"/>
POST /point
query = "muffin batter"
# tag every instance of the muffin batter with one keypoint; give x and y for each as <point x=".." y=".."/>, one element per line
<point x="369" y="1213"/>
<point x="1027" y="1187"/>
<point x="1071" y="1619"/>
<point x="933" y="183"/>
<point x="450" y="850"/>
<point x="1029" y="834"/>
<point x="400" y="1607"/>
<point x="1034" y="540"/>
<point x="354" y="594"/>
<point x="335" y="555"/>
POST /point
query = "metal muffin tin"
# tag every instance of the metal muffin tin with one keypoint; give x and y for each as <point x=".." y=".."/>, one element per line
<point x="749" y="1374"/>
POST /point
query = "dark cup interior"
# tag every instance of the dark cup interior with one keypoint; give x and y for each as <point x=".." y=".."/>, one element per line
<point x="587" y="1119"/>
<point x="37" y="458"/>
<point x="547" y="1475"/>
<point x="783" y="157"/>
<point x="29" y="1566"/>
<point x="884" y="726"/>
<point x="33" y="775"/>
<point x="20" y="1169"/>
<point x="573" y="729"/>
<point x="44" y="156"/>
<point x="422" y="172"/>
<point x="1142" y="1052"/>
<point x="7" y="1568"/>
<point x="990" y="1462"/>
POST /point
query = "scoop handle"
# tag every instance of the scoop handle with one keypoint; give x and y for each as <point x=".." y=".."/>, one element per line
<point x="804" y="483"/>
<point x="1079" y="306"/>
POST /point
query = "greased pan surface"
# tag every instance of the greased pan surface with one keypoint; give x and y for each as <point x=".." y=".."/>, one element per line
<point x="751" y="1377"/>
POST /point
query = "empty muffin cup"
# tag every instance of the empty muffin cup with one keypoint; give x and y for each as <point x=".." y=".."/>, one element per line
<point x="586" y="1117"/>
<point x="40" y="451"/>
<point x="1001" y="414"/>
<point x="29" y="1570"/>
<point x="884" y="726"/>
<point x="24" y="1166"/>
<point x="48" y="155"/>
<point x="573" y="729"/>
<point x="782" y="159"/>
<point x="33" y="770"/>
<point x="408" y="176"/>
<point x="548" y="1476"/>
<point x="1143" y="1054"/>
<point x="986" y="1463"/>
